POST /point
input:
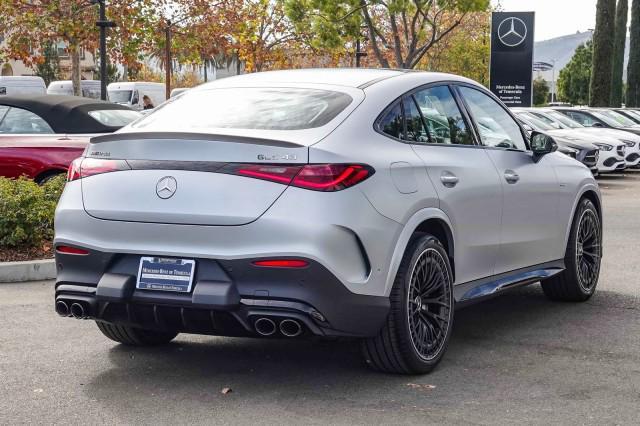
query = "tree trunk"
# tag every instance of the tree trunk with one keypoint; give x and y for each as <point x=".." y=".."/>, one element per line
<point x="74" y="51"/>
<point x="125" y="72"/>
<point x="633" y="69"/>
<point x="622" y="13"/>
<point x="600" y="92"/>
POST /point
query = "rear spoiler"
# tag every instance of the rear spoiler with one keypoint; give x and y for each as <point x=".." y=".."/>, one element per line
<point x="193" y="136"/>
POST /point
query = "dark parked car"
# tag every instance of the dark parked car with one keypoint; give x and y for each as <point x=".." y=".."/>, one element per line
<point x="40" y="136"/>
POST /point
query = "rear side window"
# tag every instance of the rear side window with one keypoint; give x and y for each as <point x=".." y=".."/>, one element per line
<point x="392" y="122"/>
<point x="416" y="132"/>
<point x="18" y="120"/>
<point x="249" y="108"/>
<point x="443" y="117"/>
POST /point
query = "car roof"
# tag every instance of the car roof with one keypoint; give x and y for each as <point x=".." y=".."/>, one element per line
<point x="65" y="114"/>
<point x="350" y="77"/>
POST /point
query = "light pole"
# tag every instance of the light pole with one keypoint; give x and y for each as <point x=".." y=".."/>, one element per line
<point x="103" y="24"/>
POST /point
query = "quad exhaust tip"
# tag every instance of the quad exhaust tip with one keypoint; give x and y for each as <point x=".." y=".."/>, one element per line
<point x="62" y="308"/>
<point x="290" y="328"/>
<point x="77" y="311"/>
<point x="265" y="326"/>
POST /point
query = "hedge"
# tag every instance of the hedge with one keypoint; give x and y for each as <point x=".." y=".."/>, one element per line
<point x="27" y="210"/>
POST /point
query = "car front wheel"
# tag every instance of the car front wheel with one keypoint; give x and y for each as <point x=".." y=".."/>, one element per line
<point x="416" y="333"/>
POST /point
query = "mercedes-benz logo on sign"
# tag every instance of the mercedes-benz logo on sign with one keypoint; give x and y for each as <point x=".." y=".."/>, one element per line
<point x="166" y="187"/>
<point x="512" y="31"/>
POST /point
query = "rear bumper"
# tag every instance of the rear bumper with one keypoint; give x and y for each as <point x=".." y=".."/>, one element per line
<point x="227" y="297"/>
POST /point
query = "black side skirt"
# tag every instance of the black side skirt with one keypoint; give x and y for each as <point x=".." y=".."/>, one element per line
<point x="485" y="288"/>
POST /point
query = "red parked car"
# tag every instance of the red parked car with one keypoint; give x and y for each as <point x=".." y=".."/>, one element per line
<point x="40" y="136"/>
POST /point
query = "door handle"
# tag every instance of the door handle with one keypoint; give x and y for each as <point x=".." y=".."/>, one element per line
<point x="511" y="176"/>
<point x="448" y="179"/>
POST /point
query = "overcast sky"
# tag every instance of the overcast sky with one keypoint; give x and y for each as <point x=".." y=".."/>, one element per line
<point x="555" y="17"/>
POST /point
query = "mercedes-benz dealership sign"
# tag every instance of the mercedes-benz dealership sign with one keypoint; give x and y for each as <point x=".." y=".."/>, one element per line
<point x="512" y="57"/>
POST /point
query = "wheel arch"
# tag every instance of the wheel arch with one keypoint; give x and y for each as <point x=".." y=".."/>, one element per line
<point x="591" y="193"/>
<point x="43" y="175"/>
<point x="432" y="221"/>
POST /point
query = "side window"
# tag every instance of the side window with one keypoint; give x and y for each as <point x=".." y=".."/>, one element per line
<point x="19" y="120"/>
<point x="443" y="117"/>
<point x="392" y="122"/>
<point x="581" y="118"/>
<point x="416" y="131"/>
<point x="496" y="127"/>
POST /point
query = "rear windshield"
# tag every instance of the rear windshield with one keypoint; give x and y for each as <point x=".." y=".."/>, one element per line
<point x="248" y="108"/>
<point x="114" y="117"/>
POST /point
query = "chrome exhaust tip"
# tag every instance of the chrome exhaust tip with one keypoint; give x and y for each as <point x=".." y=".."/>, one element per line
<point x="265" y="326"/>
<point x="62" y="308"/>
<point x="77" y="311"/>
<point x="290" y="328"/>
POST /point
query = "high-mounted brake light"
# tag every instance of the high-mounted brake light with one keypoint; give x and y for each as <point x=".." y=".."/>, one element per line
<point x="316" y="177"/>
<point x="72" y="250"/>
<point x="82" y="168"/>
<point x="281" y="263"/>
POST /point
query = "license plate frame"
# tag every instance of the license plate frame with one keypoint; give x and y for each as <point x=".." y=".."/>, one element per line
<point x="165" y="274"/>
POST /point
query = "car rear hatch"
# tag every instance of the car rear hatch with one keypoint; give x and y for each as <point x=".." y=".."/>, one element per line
<point x="212" y="156"/>
<point x="196" y="179"/>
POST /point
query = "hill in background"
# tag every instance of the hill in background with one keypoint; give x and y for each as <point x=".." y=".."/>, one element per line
<point x="561" y="49"/>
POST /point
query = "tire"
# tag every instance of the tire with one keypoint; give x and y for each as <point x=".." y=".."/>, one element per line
<point x="578" y="281"/>
<point x="48" y="177"/>
<point x="135" y="336"/>
<point x="416" y="334"/>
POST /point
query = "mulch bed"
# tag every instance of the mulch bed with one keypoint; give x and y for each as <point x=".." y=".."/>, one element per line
<point x="30" y="253"/>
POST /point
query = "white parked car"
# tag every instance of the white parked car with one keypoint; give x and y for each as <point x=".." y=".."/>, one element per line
<point x="614" y="144"/>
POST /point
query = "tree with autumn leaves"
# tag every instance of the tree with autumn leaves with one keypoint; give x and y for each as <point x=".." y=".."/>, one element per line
<point x="30" y="26"/>
<point x="263" y="34"/>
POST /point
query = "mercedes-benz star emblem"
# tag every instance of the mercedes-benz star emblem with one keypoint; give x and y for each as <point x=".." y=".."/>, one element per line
<point x="512" y="31"/>
<point x="166" y="187"/>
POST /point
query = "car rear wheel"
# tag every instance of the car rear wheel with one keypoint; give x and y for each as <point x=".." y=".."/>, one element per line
<point x="578" y="281"/>
<point x="135" y="336"/>
<point x="416" y="333"/>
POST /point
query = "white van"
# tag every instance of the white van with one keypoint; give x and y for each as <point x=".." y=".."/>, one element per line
<point x="88" y="88"/>
<point x="22" y="85"/>
<point x="131" y="92"/>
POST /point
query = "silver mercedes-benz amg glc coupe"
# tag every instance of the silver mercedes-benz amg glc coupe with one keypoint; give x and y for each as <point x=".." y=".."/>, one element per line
<point x="331" y="203"/>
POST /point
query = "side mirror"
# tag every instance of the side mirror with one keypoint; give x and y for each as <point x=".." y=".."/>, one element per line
<point x="596" y="124"/>
<point x="542" y="145"/>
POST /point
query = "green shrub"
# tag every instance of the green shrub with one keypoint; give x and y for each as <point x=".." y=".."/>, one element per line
<point x="27" y="210"/>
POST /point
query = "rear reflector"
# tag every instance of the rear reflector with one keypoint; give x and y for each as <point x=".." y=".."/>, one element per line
<point x="82" y="168"/>
<point x="71" y="250"/>
<point x="281" y="263"/>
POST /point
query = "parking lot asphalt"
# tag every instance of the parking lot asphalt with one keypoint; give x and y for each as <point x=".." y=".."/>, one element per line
<point x="515" y="359"/>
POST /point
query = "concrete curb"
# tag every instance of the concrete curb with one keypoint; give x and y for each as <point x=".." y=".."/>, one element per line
<point x="30" y="270"/>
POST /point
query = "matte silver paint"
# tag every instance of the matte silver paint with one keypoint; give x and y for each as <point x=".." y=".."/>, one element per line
<point x="495" y="225"/>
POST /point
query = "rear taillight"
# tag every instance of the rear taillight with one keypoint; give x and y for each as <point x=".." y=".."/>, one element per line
<point x="82" y="168"/>
<point x="331" y="177"/>
<point x="317" y="177"/>
<point x="280" y="173"/>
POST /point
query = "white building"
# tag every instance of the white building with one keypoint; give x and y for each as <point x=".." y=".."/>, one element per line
<point x="87" y="64"/>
